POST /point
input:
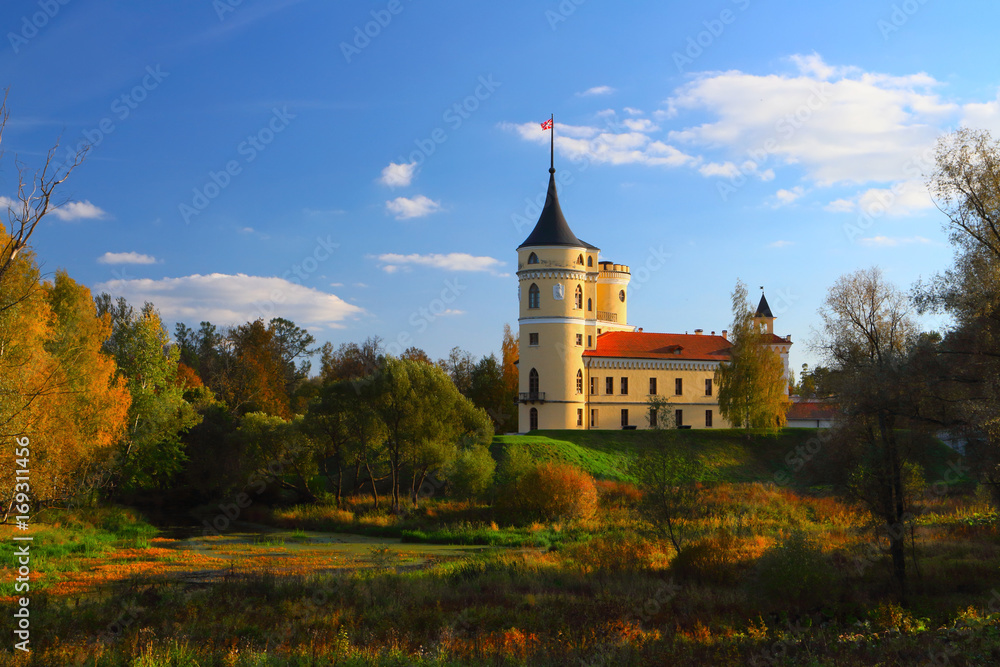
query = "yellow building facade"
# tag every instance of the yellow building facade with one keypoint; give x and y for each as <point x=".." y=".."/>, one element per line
<point x="581" y="365"/>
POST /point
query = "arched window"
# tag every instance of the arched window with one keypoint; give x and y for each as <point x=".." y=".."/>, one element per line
<point x="533" y="419"/>
<point x="579" y="260"/>
<point x="590" y="305"/>
<point x="579" y="382"/>
<point x="590" y="261"/>
<point x="621" y="295"/>
<point x="533" y="382"/>
<point x="534" y="297"/>
<point x="579" y="298"/>
<point x="532" y="258"/>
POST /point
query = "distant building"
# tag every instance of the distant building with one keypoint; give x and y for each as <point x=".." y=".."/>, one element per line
<point x="581" y="365"/>
<point x="811" y="413"/>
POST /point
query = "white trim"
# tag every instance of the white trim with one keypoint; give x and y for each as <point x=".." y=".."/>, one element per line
<point x="551" y="320"/>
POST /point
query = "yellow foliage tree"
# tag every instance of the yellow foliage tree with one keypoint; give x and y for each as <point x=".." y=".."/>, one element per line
<point x="56" y="386"/>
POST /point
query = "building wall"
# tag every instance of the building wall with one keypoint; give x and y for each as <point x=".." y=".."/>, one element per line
<point x="692" y="400"/>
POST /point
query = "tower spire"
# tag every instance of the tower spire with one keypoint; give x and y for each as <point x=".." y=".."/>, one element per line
<point x="552" y="144"/>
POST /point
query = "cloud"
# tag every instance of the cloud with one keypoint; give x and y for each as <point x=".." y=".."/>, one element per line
<point x="839" y="124"/>
<point x="784" y="197"/>
<point x="578" y="142"/>
<point x="903" y="198"/>
<point x="78" y="210"/>
<point x="404" y="208"/>
<point x="125" y="258"/>
<point x="597" y="90"/>
<point x="454" y="261"/>
<point x="780" y="244"/>
<point x="398" y="175"/>
<point x="234" y="299"/>
<point x="889" y="242"/>
<point x="632" y="111"/>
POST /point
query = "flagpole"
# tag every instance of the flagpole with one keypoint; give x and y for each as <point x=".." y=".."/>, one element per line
<point x="552" y="144"/>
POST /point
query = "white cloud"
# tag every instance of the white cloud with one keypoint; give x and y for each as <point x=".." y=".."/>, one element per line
<point x="398" y="175"/>
<point x="839" y="124"/>
<point x="336" y="284"/>
<point x="597" y="90"/>
<point x="125" y="258"/>
<point x="600" y="146"/>
<point x="404" y="207"/>
<point x="78" y="210"/>
<point x="784" y="197"/>
<point x="632" y="111"/>
<point x="780" y="244"/>
<point x="453" y="261"/>
<point x="903" y="198"/>
<point x="233" y="299"/>
<point x="890" y="242"/>
<point x="640" y="125"/>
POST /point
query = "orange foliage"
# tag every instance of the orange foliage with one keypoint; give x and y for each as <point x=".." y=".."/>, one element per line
<point x="559" y="491"/>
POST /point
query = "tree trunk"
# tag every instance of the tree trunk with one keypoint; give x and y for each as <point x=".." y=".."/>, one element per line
<point x="372" y="478"/>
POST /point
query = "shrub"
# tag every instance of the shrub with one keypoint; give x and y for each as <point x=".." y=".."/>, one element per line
<point x="710" y="560"/>
<point x="550" y="491"/>
<point x="471" y="473"/>
<point x="613" y="553"/>
<point x="794" y="571"/>
<point x="618" y="494"/>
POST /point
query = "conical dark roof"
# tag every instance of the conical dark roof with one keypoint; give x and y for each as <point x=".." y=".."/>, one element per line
<point x="763" y="310"/>
<point x="551" y="228"/>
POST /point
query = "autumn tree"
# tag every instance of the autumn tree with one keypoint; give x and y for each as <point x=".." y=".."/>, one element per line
<point x="965" y="383"/>
<point x="752" y="383"/>
<point x="867" y="336"/>
<point x="56" y="386"/>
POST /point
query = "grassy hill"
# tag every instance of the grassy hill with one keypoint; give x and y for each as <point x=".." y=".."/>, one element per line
<point x="727" y="452"/>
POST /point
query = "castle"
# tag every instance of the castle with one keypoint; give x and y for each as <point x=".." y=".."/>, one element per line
<point x="581" y="365"/>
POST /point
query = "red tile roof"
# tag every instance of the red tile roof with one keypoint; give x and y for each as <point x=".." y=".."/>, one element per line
<point x="812" y="410"/>
<point x="641" y="345"/>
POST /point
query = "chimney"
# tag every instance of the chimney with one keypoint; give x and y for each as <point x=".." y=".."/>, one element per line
<point x="724" y="332"/>
<point x="698" y="332"/>
<point x="713" y="333"/>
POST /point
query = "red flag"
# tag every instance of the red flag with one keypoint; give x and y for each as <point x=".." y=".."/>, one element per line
<point x="547" y="125"/>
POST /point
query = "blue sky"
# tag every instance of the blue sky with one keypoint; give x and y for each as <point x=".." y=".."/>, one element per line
<point x="369" y="168"/>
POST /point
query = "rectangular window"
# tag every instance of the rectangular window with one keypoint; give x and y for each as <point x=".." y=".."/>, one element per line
<point x="579" y="416"/>
<point x="593" y="385"/>
<point x="624" y="386"/>
<point x="609" y="386"/>
<point x="679" y="418"/>
<point x="624" y="417"/>
<point x="579" y="382"/>
<point x="708" y="387"/>
<point x="652" y="418"/>
<point x="708" y="418"/>
<point x="579" y="339"/>
<point x="532" y="339"/>
<point x="593" y="418"/>
<point x="652" y="386"/>
<point x="590" y="341"/>
<point x="678" y="386"/>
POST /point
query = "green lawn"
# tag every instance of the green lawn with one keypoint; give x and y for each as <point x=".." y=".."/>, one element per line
<point x="729" y="453"/>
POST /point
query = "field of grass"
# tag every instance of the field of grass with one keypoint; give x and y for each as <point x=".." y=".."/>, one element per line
<point x="607" y="594"/>
<point x="728" y="453"/>
<point x="772" y="574"/>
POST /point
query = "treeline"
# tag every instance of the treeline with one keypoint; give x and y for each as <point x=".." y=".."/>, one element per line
<point x="115" y="410"/>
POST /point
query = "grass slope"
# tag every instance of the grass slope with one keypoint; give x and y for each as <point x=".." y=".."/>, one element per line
<point x="727" y="452"/>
